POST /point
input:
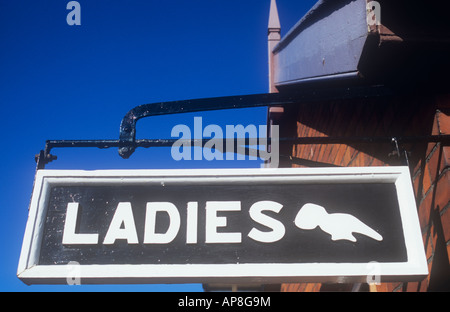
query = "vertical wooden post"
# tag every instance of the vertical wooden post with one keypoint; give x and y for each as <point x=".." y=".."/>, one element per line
<point x="274" y="37"/>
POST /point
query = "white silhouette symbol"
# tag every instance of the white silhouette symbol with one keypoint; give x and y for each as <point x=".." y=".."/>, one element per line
<point x="339" y="225"/>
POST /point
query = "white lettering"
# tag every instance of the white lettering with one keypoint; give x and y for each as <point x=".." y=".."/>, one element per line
<point x="123" y="215"/>
<point x="123" y="227"/>
<point x="190" y="302"/>
<point x="213" y="222"/>
<point x="192" y="220"/>
<point x="69" y="235"/>
<point x="277" y="227"/>
<point x="150" y="235"/>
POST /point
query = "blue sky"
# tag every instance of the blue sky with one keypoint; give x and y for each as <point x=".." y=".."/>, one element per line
<point x="77" y="82"/>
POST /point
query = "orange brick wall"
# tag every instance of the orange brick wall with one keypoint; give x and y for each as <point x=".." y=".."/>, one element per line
<point x="429" y="163"/>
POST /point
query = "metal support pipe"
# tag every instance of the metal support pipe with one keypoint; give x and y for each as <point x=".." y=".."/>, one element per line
<point x="44" y="157"/>
<point x="127" y="142"/>
<point x="127" y="136"/>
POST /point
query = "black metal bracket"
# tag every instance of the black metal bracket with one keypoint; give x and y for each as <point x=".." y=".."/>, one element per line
<point x="43" y="159"/>
<point x="127" y="136"/>
<point x="400" y="152"/>
<point x="127" y="142"/>
<point x="45" y="156"/>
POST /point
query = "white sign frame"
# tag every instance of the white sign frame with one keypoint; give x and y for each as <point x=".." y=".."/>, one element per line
<point x="415" y="268"/>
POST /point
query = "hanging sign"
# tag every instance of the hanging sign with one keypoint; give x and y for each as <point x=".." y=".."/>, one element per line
<point x="222" y="226"/>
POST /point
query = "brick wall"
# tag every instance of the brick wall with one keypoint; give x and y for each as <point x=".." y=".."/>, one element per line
<point x="429" y="163"/>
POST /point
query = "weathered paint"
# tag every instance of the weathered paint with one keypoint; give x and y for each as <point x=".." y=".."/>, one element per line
<point x="323" y="47"/>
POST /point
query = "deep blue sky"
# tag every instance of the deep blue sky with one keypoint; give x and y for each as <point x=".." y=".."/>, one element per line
<point x="77" y="82"/>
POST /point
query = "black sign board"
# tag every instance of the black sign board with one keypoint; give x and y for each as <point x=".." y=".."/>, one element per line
<point x="216" y="226"/>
